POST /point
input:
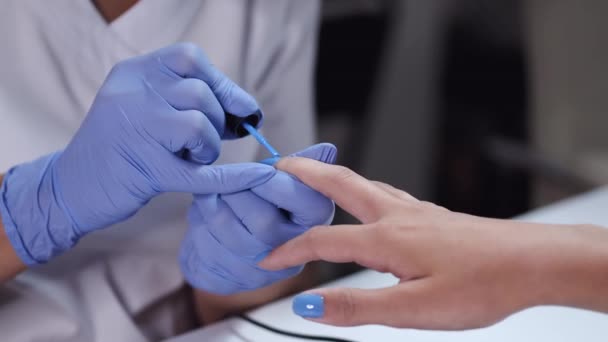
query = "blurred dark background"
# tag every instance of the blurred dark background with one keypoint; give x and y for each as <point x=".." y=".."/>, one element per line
<point x="471" y="104"/>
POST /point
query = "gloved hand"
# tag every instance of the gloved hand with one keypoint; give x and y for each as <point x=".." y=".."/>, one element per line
<point x="229" y="233"/>
<point x="155" y="120"/>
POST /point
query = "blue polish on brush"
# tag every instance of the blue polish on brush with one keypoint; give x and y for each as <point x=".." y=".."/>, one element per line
<point x="260" y="138"/>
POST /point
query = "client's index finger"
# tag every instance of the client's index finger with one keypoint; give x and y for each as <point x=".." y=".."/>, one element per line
<point x="352" y="192"/>
<point x="344" y="243"/>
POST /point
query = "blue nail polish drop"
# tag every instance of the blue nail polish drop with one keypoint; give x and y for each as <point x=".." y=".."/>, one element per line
<point x="309" y="305"/>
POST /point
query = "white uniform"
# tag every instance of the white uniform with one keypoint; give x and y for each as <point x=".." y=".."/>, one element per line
<point x="121" y="284"/>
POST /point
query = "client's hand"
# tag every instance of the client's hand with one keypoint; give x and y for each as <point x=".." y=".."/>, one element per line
<point x="456" y="271"/>
<point x="230" y="233"/>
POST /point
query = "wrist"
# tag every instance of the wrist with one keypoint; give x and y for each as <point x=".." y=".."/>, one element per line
<point x="573" y="267"/>
<point x="35" y="223"/>
<point x="577" y="274"/>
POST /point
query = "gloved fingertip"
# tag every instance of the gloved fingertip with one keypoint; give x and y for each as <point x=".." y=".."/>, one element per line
<point x="270" y="161"/>
<point x="330" y="153"/>
<point x="257" y="173"/>
<point x="261" y="168"/>
<point x="203" y="155"/>
<point x="261" y="257"/>
<point x="326" y="145"/>
<point x="236" y="100"/>
<point x="244" y="103"/>
<point x="224" y="179"/>
<point x="323" y="152"/>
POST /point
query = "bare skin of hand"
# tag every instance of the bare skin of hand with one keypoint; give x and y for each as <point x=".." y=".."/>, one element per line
<point x="456" y="271"/>
<point x="10" y="264"/>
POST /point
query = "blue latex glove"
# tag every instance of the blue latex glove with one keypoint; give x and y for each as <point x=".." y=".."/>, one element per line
<point x="155" y="120"/>
<point x="229" y="233"/>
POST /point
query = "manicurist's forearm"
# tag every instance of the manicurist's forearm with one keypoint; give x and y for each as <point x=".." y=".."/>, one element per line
<point x="10" y="264"/>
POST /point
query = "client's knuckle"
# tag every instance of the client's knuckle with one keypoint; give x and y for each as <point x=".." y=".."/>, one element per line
<point x="342" y="175"/>
<point x="313" y="239"/>
<point x="347" y="307"/>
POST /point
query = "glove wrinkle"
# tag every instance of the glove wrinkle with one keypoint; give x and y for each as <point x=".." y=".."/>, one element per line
<point x="220" y="254"/>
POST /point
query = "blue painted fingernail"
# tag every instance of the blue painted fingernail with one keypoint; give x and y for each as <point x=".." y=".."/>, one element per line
<point x="309" y="305"/>
<point x="261" y="256"/>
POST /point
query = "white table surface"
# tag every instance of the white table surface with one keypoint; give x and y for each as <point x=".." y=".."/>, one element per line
<point x="555" y="324"/>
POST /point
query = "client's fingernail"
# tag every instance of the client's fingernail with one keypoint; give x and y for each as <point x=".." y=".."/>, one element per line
<point x="309" y="305"/>
<point x="261" y="256"/>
